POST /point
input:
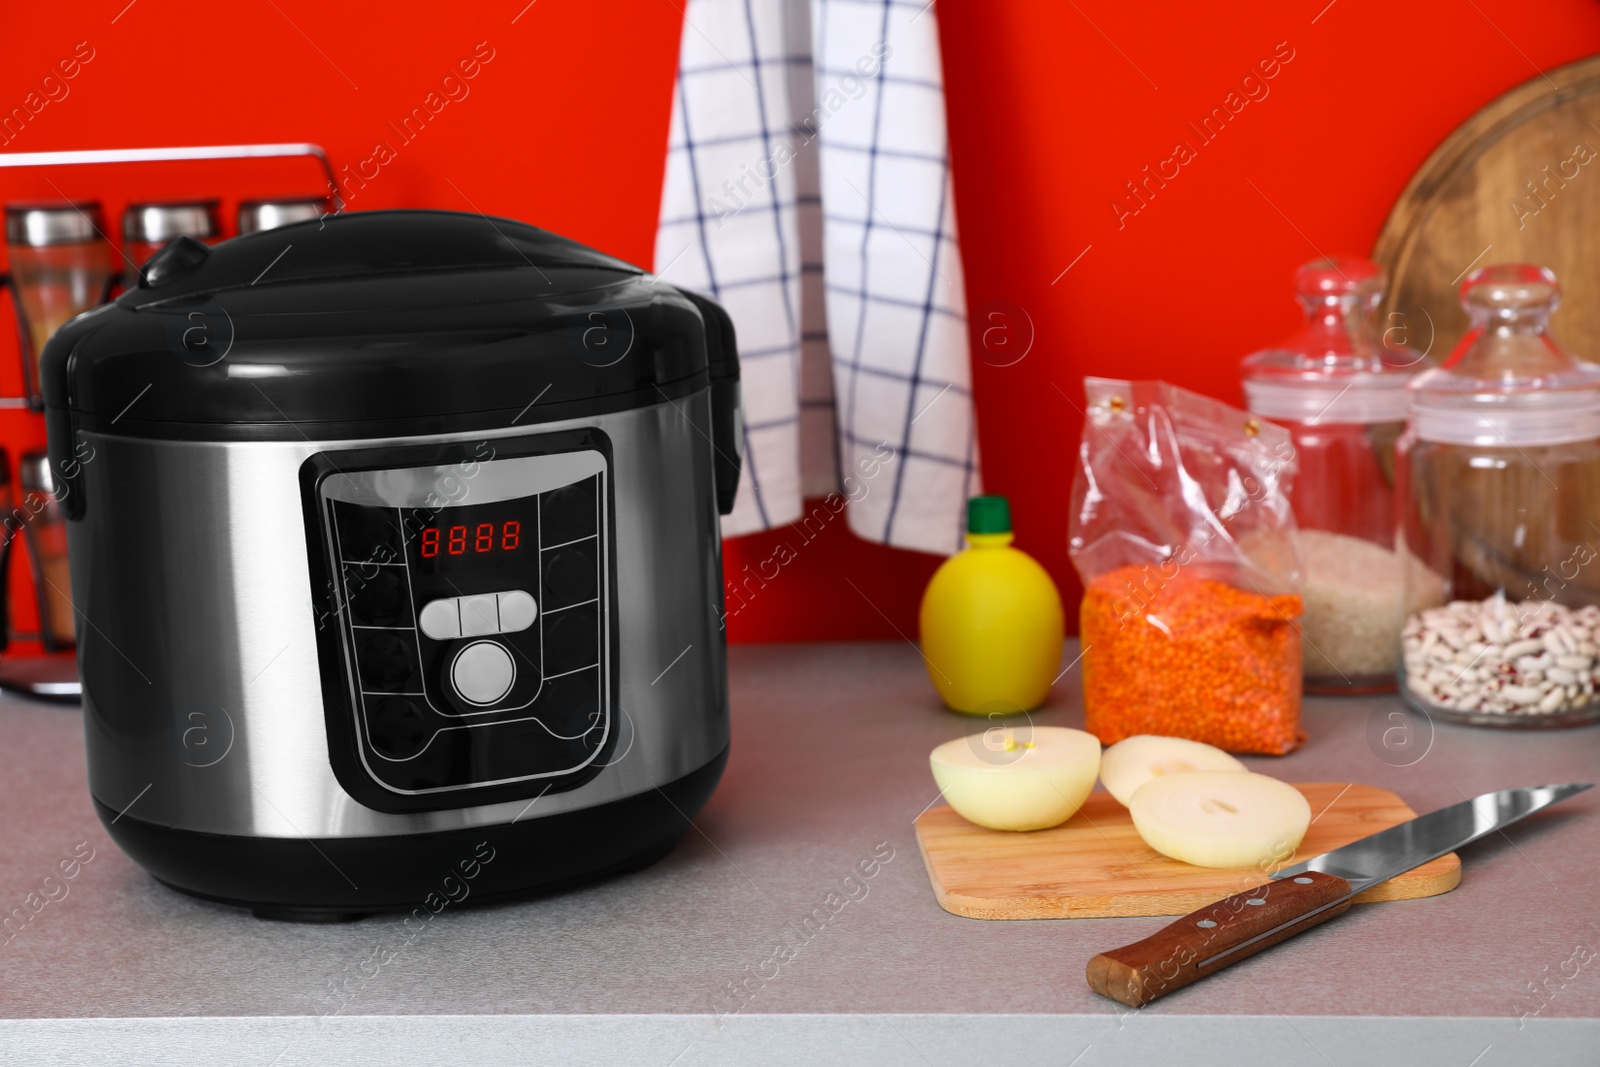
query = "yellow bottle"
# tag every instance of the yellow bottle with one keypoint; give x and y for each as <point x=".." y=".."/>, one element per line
<point x="991" y="620"/>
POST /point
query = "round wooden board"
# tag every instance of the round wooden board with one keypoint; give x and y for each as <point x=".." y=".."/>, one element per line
<point x="1517" y="182"/>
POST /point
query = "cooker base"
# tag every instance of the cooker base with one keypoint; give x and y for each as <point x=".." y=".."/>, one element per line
<point x="341" y="879"/>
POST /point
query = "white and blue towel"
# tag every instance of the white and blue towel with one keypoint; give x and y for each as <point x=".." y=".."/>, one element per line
<point x="808" y="191"/>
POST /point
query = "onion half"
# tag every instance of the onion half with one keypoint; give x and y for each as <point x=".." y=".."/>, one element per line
<point x="1018" y="778"/>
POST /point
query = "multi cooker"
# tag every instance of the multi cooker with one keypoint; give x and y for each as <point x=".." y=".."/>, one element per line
<point x="394" y="548"/>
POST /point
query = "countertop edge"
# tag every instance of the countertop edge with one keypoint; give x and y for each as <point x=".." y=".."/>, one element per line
<point x="912" y="1039"/>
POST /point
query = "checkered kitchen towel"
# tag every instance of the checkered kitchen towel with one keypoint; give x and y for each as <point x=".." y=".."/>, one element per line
<point x="808" y="191"/>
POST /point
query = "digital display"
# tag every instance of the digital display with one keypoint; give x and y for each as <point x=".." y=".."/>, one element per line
<point x="474" y="537"/>
<point x="479" y="539"/>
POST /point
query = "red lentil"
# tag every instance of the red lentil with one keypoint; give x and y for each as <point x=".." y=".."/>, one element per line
<point x="1190" y="657"/>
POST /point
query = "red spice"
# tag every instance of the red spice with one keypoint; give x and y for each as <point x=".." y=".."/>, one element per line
<point x="1190" y="657"/>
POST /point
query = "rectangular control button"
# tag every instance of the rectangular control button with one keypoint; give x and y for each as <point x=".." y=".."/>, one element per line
<point x="479" y="615"/>
<point x="441" y="619"/>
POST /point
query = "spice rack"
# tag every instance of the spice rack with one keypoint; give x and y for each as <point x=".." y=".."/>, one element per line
<point x="35" y="661"/>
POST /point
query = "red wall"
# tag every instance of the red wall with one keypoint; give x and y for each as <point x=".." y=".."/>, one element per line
<point x="1052" y="108"/>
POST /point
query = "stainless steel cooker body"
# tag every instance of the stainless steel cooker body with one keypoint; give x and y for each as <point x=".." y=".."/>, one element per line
<point x="204" y="694"/>
<point x="394" y="544"/>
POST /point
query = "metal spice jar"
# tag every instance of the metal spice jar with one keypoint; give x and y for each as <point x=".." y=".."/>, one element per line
<point x="1170" y="652"/>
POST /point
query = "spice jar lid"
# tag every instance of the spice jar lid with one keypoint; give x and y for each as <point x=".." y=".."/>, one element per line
<point x="1508" y="383"/>
<point x="258" y="215"/>
<point x="156" y="223"/>
<point x="1333" y="370"/>
<point x="53" y="222"/>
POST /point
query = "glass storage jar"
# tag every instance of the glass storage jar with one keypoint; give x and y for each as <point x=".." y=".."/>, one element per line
<point x="61" y="266"/>
<point x="45" y="533"/>
<point x="1342" y="397"/>
<point x="1500" y="498"/>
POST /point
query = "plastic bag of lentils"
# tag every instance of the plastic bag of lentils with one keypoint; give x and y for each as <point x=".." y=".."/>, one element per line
<point x="1182" y="533"/>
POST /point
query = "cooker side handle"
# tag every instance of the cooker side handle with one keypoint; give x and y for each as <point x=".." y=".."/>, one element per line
<point x="64" y="453"/>
<point x="727" y="409"/>
<point x="65" y="464"/>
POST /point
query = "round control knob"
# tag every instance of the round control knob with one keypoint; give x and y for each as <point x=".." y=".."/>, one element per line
<point x="483" y="672"/>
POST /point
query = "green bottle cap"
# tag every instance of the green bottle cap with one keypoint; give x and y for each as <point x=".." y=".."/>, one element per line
<point x="988" y="515"/>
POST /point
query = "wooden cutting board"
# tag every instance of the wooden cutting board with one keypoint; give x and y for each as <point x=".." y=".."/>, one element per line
<point x="1095" y="865"/>
<point x="1517" y="182"/>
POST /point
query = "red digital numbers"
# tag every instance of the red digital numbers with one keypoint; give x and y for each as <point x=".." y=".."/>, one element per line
<point x="483" y="539"/>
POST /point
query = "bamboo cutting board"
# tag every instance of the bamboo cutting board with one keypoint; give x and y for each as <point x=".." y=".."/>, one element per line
<point x="1095" y="865"/>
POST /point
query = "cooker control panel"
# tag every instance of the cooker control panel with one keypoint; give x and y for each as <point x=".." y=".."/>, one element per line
<point x="472" y="606"/>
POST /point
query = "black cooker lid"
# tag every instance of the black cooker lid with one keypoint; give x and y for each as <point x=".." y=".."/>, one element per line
<point x="380" y="323"/>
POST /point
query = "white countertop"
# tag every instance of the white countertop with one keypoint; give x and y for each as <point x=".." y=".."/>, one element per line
<point x="829" y="764"/>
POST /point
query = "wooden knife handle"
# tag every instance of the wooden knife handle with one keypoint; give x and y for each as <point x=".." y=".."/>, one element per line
<point x="1199" y="944"/>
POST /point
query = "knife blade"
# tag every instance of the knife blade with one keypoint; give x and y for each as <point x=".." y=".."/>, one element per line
<point x="1304" y="895"/>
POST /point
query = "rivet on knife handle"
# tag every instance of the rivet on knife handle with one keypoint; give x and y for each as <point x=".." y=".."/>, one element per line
<point x="1217" y="935"/>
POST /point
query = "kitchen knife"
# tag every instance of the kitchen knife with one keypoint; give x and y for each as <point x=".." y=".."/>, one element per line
<point x="1299" y="897"/>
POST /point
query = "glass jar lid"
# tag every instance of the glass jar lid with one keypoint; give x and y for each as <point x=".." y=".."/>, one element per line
<point x="1332" y="370"/>
<point x="1508" y="382"/>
